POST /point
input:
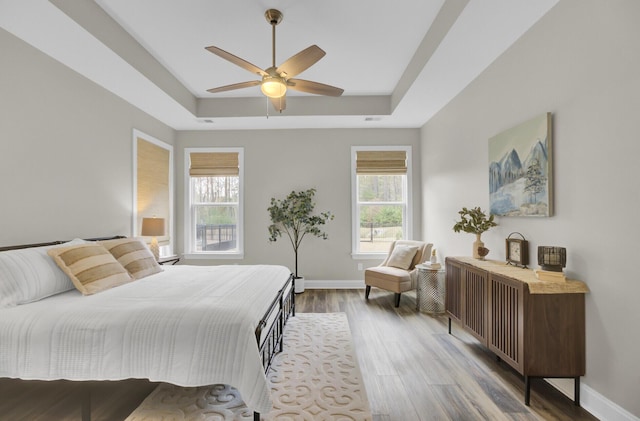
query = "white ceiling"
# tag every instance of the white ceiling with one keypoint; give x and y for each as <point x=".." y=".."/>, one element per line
<point x="397" y="65"/>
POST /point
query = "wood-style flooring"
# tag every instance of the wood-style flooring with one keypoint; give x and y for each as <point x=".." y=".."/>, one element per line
<point x="412" y="369"/>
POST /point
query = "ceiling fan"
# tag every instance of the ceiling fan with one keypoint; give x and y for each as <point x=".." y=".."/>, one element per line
<point x="276" y="80"/>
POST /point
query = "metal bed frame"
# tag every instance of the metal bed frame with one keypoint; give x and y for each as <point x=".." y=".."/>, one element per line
<point x="283" y="307"/>
<point x="272" y="323"/>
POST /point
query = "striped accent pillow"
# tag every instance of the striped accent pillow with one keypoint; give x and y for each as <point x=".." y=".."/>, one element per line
<point x="134" y="255"/>
<point x="91" y="267"/>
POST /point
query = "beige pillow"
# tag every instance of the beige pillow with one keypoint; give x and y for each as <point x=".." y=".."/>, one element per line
<point x="90" y="266"/>
<point x="402" y="256"/>
<point x="134" y="255"/>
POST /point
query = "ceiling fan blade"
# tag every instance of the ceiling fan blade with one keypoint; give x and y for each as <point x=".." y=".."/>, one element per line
<point x="234" y="86"/>
<point x="301" y="61"/>
<point x="314" y="87"/>
<point x="236" y="60"/>
<point x="279" y="104"/>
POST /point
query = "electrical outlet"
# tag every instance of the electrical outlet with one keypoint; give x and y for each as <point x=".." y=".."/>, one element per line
<point x="359" y="266"/>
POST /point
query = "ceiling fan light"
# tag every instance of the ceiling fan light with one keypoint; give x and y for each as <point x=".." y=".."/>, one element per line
<point x="273" y="87"/>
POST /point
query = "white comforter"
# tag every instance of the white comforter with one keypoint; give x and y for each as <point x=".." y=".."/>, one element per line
<point x="188" y="325"/>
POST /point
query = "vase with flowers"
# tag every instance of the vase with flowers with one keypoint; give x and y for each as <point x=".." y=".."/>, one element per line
<point x="475" y="221"/>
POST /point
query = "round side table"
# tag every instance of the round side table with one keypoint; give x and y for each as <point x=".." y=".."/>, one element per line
<point x="431" y="290"/>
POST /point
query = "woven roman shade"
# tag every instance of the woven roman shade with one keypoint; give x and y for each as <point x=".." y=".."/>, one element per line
<point x="153" y="184"/>
<point x="214" y="164"/>
<point x="381" y="162"/>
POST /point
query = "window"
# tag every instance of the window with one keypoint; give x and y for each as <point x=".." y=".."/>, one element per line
<point x="381" y="198"/>
<point x="153" y="186"/>
<point x="214" y="202"/>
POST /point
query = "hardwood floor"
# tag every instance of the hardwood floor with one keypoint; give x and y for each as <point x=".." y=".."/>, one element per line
<point x="412" y="368"/>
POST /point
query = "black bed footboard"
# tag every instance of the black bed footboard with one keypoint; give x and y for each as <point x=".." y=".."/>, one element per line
<point x="270" y="330"/>
<point x="271" y="327"/>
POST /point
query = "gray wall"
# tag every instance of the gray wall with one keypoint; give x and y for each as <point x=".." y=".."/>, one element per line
<point x="65" y="150"/>
<point x="581" y="63"/>
<point x="66" y="166"/>
<point x="279" y="161"/>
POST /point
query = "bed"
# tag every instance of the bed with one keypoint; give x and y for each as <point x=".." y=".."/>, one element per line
<point x="185" y="325"/>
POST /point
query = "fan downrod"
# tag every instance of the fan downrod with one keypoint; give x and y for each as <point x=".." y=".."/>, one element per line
<point x="273" y="16"/>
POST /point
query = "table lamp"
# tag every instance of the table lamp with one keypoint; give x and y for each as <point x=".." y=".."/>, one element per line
<point x="153" y="227"/>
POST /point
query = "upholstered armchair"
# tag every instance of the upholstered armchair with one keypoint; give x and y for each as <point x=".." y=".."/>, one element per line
<point x="398" y="272"/>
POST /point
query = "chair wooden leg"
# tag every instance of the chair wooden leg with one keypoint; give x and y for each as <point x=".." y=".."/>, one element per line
<point x="367" y="291"/>
<point x="397" y="297"/>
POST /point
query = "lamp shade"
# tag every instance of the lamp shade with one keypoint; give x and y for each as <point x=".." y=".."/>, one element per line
<point x="152" y="227"/>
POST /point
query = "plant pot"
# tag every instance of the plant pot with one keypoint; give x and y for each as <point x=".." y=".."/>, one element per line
<point x="476" y="245"/>
<point x="299" y="285"/>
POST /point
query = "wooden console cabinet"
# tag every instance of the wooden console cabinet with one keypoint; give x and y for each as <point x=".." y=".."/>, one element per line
<point x="537" y="327"/>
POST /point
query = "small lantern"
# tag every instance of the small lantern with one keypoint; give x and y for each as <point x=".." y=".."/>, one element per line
<point x="552" y="258"/>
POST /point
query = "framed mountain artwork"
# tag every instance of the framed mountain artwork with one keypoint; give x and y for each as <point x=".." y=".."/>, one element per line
<point x="520" y="169"/>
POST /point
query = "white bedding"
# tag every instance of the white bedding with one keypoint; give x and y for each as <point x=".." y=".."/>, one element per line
<point x="188" y="325"/>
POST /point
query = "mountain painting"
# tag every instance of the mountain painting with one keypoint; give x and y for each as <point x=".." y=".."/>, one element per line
<point x="520" y="179"/>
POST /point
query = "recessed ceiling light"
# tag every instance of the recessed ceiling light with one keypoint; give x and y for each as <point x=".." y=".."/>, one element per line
<point x="205" y="120"/>
<point x="372" y="118"/>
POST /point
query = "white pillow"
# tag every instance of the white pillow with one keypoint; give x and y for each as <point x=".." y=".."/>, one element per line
<point x="402" y="256"/>
<point x="28" y="275"/>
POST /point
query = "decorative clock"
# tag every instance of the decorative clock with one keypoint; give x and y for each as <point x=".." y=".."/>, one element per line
<point x="517" y="250"/>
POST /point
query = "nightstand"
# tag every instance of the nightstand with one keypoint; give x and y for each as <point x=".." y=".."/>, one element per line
<point x="169" y="260"/>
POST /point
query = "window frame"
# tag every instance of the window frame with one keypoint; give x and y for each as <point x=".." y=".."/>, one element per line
<point x="407" y="227"/>
<point x="167" y="250"/>
<point x="189" y="209"/>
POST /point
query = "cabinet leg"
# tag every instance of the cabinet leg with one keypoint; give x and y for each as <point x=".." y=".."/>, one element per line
<point x="449" y="325"/>
<point x="576" y="391"/>
<point x="366" y="292"/>
<point x="527" y="390"/>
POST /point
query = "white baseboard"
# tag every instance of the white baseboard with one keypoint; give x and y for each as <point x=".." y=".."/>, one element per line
<point x="316" y="284"/>
<point x="592" y="401"/>
<point x="603" y="408"/>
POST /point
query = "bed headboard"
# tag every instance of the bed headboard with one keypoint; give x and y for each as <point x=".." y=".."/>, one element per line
<point x="52" y="243"/>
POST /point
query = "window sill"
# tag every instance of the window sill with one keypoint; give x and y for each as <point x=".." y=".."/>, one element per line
<point x="213" y="256"/>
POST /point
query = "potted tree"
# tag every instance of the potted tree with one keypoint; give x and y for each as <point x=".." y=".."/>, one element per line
<point x="475" y="221"/>
<point x="293" y="216"/>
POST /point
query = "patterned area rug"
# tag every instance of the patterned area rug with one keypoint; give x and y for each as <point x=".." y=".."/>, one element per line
<point x="317" y="377"/>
